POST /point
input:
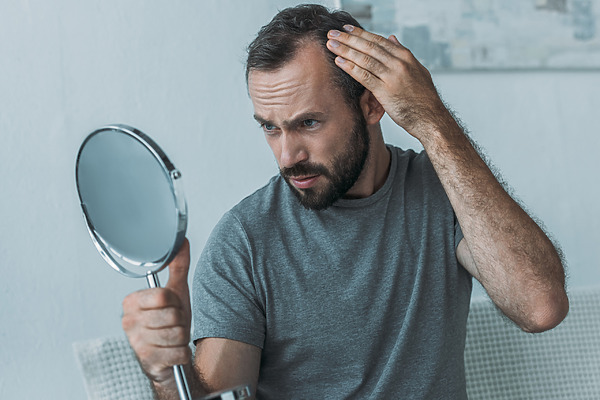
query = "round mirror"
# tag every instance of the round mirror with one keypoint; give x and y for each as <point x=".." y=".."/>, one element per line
<point x="134" y="209"/>
<point x="131" y="197"/>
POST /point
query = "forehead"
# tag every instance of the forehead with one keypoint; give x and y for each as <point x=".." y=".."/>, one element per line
<point x="302" y="84"/>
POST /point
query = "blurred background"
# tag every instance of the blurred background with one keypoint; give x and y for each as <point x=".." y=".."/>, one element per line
<point x="174" y="69"/>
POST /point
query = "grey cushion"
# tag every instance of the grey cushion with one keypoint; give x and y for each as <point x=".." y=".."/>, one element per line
<point x="111" y="370"/>
<point x="501" y="361"/>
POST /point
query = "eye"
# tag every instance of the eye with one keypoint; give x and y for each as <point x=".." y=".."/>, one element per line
<point x="268" y="128"/>
<point x="310" y="123"/>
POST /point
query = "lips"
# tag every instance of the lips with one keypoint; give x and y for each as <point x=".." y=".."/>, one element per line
<point x="304" y="182"/>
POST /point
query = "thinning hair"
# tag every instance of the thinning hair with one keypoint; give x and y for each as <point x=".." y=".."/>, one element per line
<point x="279" y="41"/>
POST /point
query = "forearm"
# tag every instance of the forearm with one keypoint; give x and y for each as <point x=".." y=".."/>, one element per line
<point x="511" y="256"/>
<point x="505" y="250"/>
<point x="219" y="364"/>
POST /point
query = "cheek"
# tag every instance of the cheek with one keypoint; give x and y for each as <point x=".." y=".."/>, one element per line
<point x="275" y="149"/>
<point x="331" y="143"/>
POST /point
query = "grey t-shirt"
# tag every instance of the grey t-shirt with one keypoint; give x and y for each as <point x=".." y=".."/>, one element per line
<point x="363" y="300"/>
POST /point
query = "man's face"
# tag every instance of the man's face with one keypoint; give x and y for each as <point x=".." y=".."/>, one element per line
<point x="319" y="142"/>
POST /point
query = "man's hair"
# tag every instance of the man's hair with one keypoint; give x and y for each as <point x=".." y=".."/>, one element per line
<point x="278" y="42"/>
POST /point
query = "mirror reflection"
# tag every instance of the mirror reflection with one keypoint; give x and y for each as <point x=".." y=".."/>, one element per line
<point x="129" y="199"/>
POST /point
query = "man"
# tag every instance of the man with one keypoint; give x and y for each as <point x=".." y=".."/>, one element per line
<point x="349" y="275"/>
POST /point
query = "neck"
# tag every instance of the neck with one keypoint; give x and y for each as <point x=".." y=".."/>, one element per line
<point x="376" y="169"/>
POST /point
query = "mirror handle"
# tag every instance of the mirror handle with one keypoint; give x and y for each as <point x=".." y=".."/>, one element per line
<point x="182" y="385"/>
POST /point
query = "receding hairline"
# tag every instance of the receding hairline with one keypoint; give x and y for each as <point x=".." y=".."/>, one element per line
<point x="298" y="43"/>
<point x="303" y="43"/>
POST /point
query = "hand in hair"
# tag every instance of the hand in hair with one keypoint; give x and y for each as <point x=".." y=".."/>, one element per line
<point x="503" y="247"/>
<point x="390" y="71"/>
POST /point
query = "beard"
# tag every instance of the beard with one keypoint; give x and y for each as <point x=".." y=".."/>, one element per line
<point x="344" y="172"/>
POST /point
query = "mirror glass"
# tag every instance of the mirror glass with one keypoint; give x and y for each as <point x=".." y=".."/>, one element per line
<point x="134" y="210"/>
<point x="131" y="198"/>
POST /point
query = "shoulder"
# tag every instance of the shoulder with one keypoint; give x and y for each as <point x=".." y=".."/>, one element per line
<point x="253" y="214"/>
<point x="412" y="163"/>
<point x="243" y="229"/>
<point x="263" y="201"/>
<point x="415" y="173"/>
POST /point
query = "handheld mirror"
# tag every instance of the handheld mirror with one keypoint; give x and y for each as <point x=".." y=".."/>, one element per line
<point x="133" y="205"/>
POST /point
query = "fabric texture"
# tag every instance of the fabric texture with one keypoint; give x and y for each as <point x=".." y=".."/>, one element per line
<point x="111" y="370"/>
<point x="363" y="300"/>
<point x="501" y="361"/>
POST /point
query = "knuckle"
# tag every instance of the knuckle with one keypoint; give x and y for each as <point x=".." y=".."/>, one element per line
<point x="152" y="371"/>
<point x="129" y="302"/>
<point x="402" y="68"/>
<point x="144" y="353"/>
<point x="366" y="60"/>
<point x="128" y="322"/>
<point x="381" y="42"/>
<point x="372" y="64"/>
<point x="365" y="76"/>
<point x="372" y="45"/>
<point x="142" y="350"/>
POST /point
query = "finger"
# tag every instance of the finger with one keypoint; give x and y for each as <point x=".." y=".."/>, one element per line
<point x="375" y="64"/>
<point x="164" y="318"/>
<point x="169" y="336"/>
<point x="178" y="271"/>
<point x="394" y="39"/>
<point x="153" y="319"/>
<point x="150" y="299"/>
<point x="175" y="336"/>
<point x="395" y="48"/>
<point x="370" y="45"/>
<point x="364" y="77"/>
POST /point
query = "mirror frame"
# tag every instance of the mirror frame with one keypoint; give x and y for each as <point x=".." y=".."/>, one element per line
<point x="173" y="176"/>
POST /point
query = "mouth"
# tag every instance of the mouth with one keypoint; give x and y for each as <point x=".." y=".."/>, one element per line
<point x="304" y="182"/>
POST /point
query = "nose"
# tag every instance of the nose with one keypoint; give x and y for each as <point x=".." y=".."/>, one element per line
<point x="292" y="150"/>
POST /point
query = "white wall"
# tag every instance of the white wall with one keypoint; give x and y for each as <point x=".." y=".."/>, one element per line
<point x="538" y="130"/>
<point x="174" y="69"/>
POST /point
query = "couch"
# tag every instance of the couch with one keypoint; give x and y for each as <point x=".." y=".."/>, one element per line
<point x="501" y="361"/>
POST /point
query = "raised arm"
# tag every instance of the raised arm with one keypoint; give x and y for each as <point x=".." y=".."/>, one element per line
<point x="503" y="247"/>
<point x="157" y="323"/>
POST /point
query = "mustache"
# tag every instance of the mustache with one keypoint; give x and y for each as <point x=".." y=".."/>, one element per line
<point x="304" y="169"/>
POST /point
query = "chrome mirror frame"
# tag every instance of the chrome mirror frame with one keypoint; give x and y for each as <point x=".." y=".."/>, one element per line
<point x="172" y="174"/>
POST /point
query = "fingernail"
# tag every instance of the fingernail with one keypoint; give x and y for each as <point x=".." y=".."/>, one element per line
<point x="340" y="60"/>
<point x="334" y="33"/>
<point x="348" y="28"/>
<point x="334" y="43"/>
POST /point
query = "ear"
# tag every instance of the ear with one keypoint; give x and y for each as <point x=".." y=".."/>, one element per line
<point x="371" y="108"/>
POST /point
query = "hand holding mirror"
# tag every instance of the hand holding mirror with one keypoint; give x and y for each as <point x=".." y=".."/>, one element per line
<point x="134" y="209"/>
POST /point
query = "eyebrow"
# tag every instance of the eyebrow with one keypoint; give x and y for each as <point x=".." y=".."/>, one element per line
<point x="295" y="121"/>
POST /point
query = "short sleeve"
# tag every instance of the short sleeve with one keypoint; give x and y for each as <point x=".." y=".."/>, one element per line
<point x="458" y="234"/>
<point x="224" y="301"/>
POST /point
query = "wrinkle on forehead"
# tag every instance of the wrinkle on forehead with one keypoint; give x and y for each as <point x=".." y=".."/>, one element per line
<point x="300" y="79"/>
<point x="276" y="92"/>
